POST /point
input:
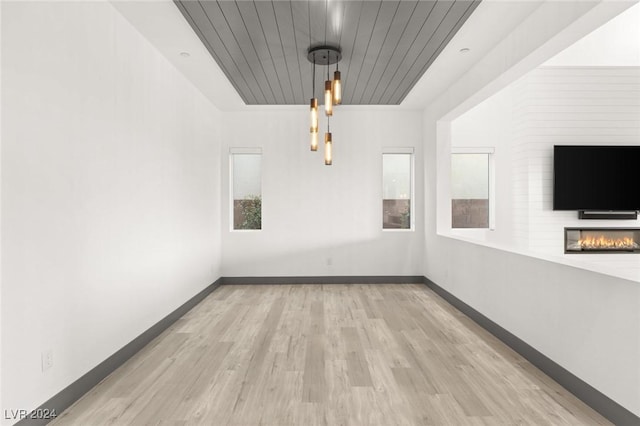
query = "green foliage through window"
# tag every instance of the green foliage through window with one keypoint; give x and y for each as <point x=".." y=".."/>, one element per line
<point x="250" y="212"/>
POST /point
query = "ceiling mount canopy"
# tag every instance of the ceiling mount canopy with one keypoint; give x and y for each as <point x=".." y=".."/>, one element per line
<point x="324" y="55"/>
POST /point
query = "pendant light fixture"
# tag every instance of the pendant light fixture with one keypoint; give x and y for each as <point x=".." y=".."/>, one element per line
<point x="327" y="146"/>
<point x="324" y="55"/>
<point x="337" y="87"/>
<point x="314" y="110"/>
<point x="328" y="94"/>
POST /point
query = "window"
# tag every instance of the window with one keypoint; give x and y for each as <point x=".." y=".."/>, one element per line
<point x="472" y="188"/>
<point x="397" y="189"/>
<point x="246" y="188"/>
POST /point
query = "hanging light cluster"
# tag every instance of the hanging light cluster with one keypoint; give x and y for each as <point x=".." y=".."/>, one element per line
<point x="324" y="55"/>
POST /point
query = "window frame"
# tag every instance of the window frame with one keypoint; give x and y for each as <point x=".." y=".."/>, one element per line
<point x="490" y="151"/>
<point x="412" y="182"/>
<point x="243" y="151"/>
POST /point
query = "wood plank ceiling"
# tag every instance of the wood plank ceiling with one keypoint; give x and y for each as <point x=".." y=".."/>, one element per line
<point x="386" y="45"/>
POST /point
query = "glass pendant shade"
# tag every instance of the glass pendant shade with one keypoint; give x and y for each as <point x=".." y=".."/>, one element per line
<point x="328" y="99"/>
<point x="314" y="141"/>
<point x="337" y="88"/>
<point x="327" y="149"/>
<point x="314" y="124"/>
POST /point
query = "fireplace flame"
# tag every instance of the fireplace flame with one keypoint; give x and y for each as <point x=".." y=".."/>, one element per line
<point x="602" y="242"/>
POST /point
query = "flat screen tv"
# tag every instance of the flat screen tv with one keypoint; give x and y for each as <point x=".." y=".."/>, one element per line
<point x="596" y="178"/>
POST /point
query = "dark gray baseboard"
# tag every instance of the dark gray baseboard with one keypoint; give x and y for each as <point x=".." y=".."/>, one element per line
<point x="66" y="397"/>
<point x="346" y="279"/>
<point x="604" y="405"/>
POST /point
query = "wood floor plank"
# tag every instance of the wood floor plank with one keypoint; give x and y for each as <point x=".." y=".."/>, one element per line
<point x="317" y="317"/>
<point x="314" y="382"/>
<point x="289" y="355"/>
<point x="357" y="365"/>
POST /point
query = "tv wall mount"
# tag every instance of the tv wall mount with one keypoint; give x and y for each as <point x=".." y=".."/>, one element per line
<point x="593" y="214"/>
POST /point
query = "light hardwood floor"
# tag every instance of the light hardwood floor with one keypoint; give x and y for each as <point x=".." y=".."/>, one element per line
<point x="308" y="355"/>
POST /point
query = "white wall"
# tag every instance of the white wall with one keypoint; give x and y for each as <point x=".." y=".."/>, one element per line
<point x="616" y="43"/>
<point x="586" y="322"/>
<point x="322" y="220"/>
<point x="110" y="189"/>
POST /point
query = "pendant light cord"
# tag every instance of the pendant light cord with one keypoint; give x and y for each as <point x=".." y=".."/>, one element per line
<point x="328" y="60"/>
<point x="329" y="79"/>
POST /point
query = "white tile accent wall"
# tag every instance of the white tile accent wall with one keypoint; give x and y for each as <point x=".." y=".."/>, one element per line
<point x="568" y="106"/>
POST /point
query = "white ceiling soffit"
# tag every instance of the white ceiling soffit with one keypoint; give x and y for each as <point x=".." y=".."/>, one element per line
<point x="163" y="25"/>
<point x="614" y="44"/>
<point x="481" y="33"/>
<point x="386" y="45"/>
<point x="161" y="22"/>
<point x="546" y="31"/>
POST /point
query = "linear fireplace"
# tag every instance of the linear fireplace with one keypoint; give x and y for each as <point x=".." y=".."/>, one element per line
<point x="602" y="240"/>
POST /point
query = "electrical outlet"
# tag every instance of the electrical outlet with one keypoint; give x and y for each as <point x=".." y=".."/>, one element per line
<point x="329" y="261"/>
<point x="47" y="360"/>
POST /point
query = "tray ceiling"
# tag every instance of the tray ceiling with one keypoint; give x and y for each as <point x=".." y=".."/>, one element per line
<point x="386" y="46"/>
